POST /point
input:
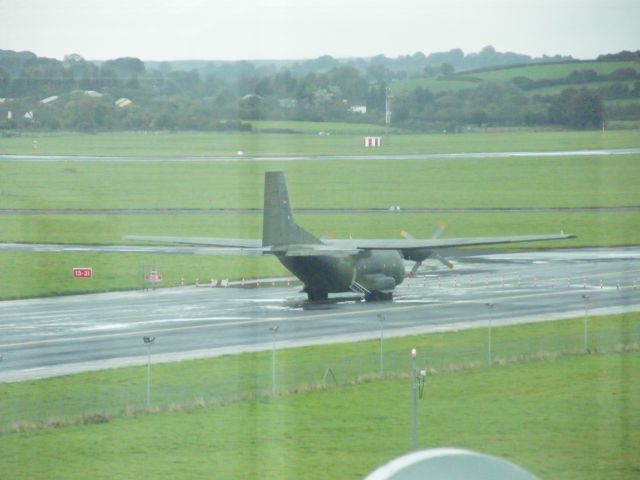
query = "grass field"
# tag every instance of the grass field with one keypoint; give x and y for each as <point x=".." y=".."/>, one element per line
<point x="562" y="417"/>
<point x="551" y="71"/>
<point x="598" y="181"/>
<point x="317" y="128"/>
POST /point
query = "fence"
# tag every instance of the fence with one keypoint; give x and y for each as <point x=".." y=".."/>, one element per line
<point x="97" y="396"/>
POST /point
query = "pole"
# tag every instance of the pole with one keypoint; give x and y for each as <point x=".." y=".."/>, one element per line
<point x="148" y="342"/>
<point x="381" y="319"/>
<point x="489" y="360"/>
<point x="489" y="339"/>
<point x="414" y="403"/>
<point x="273" y="331"/>
<point x="387" y="112"/>
<point x="585" y="298"/>
<point x="148" y="374"/>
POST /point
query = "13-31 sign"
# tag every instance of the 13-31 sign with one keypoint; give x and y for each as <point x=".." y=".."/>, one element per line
<point x="82" y="272"/>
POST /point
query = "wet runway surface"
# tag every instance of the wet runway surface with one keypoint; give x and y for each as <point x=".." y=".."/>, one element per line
<point x="367" y="156"/>
<point x="45" y="337"/>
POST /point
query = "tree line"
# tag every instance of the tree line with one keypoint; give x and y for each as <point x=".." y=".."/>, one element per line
<point x="128" y="94"/>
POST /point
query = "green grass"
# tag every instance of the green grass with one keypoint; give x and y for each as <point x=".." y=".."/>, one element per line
<point x="597" y="181"/>
<point x="557" y="89"/>
<point x="317" y="127"/>
<point x="265" y="144"/>
<point x="551" y="71"/>
<point x="435" y="85"/>
<point x="566" y="417"/>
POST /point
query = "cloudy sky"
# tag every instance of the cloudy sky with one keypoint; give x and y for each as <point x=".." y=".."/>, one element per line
<point x="280" y="29"/>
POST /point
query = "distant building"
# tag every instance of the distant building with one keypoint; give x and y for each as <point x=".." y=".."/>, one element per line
<point x="50" y="99"/>
<point x="288" y="102"/>
<point x="362" y="109"/>
<point x="93" y="93"/>
<point x="123" y="102"/>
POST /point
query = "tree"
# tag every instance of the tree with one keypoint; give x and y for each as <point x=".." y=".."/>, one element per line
<point x="126" y="67"/>
<point x="577" y="109"/>
<point x="586" y="109"/>
<point x="447" y="69"/>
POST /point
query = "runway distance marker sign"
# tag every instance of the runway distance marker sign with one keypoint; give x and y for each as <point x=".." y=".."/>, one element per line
<point x="83" y="272"/>
<point x="153" y="276"/>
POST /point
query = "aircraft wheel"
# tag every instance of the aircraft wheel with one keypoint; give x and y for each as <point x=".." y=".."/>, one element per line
<point x="377" y="296"/>
<point x="317" y="296"/>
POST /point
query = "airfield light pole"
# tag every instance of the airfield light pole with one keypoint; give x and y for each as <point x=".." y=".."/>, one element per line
<point x="417" y="387"/>
<point x="148" y="341"/>
<point x="387" y="110"/>
<point x="585" y="299"/>
<point x="414" y="403"/>
<point x="381" y="320"/>
<point x="489" y="306"/>
<point x="273" y="331"/>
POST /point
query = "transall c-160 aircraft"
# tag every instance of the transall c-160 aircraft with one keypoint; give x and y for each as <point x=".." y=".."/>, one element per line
<point x="371" y="267"/>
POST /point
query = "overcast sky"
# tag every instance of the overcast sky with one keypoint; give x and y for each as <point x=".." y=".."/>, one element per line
<point x="295" y="29"/>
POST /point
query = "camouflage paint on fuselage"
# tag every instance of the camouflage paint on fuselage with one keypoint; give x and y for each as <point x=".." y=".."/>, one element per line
<point x="336" y="274"/>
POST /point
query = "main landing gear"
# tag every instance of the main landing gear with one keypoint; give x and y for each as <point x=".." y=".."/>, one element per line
<point x="377" y="296"/>
<point x="317" y="295"/>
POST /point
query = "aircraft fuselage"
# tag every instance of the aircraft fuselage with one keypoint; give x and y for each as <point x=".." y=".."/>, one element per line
<point x="375" y="270"/>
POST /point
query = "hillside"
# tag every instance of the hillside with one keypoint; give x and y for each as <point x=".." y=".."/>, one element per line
<point x="533" y="89"/>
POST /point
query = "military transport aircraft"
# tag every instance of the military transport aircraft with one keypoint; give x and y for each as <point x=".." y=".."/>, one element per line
<point x="370" y="267"/>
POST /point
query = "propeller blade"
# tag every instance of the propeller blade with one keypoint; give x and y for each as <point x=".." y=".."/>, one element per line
<point x="442" y="260"/>
<point x="439" y="230"/>
<point x="406" y="235"/>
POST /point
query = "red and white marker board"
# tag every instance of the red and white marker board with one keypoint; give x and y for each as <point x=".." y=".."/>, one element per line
<point x="83" y="272"/>
<point x="372" y="141"/>
<point x="153" y="276"/>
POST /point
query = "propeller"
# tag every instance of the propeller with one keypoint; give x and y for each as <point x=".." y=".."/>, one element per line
<point x="436" y="234"/>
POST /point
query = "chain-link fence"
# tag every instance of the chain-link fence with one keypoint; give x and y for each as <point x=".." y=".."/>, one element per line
<point x="98" y="396"/>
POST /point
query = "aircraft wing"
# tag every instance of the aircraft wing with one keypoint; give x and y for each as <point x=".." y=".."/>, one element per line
<point x="428" y="244"/>
<point x="314" y="250"/>
<point x="253" y="247"/>
<point x="205" y="241"/>
<point x="295" y="250"/>
<point x="159" y="249"/>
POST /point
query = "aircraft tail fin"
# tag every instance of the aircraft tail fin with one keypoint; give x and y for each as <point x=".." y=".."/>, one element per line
<point x="278" y="227"/>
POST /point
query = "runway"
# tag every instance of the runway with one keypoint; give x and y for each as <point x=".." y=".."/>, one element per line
<point x="62" y="335"/>
<point x="323" y="158"/>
